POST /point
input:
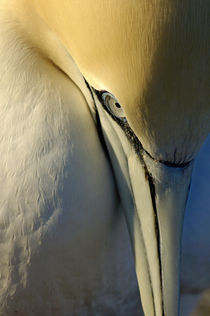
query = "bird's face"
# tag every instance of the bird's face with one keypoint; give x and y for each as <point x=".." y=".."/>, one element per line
<point x="152" y="56"/>
<point x="147" y="64"/>
<point x="154" y="196"/>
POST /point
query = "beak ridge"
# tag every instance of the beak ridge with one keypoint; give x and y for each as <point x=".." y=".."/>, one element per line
<point x="160" y="193"/>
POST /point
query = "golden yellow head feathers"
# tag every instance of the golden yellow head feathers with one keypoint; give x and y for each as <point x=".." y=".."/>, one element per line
<point x="152" y="55"/>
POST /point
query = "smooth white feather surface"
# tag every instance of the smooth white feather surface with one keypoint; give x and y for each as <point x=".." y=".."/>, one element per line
<point x="64" y="247"/>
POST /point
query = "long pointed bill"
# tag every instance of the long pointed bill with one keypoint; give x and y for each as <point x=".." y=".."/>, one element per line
<point x="154" y="196"/>
<point x="160" y="193"/>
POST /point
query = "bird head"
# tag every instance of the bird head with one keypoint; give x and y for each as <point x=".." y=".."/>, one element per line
<point x="147" y="65"/>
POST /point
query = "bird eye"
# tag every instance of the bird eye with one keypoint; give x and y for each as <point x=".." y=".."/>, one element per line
<point x="113" y="106"/>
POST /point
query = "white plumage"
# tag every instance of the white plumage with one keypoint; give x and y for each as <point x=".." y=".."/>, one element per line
<point x="64" y="245"/>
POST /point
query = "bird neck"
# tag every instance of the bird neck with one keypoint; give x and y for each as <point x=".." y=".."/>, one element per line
<point x="25" y="20"/>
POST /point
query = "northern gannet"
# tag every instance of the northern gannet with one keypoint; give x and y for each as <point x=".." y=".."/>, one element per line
<point x="74" y="156"/>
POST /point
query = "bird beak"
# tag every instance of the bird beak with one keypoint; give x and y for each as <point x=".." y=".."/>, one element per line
<point x="154" y="197"/>
<point x="160" y="193"/>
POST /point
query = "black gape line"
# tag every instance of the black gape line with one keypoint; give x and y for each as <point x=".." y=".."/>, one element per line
<point x="123" y="124"/>
<point x="98" y="121"/>
<point x="157" y="230"/>
<point x="101" y="133"/>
